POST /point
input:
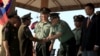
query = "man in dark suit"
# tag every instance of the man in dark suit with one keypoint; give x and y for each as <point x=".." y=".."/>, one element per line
<point x="98" y="31"/>
<point x="88" y="41"/>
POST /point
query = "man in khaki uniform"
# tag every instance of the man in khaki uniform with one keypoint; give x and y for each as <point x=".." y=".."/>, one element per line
<point x="42" y="30"/>
<point x="62" y="31"/>
<point x="78" y="20"/>
<point x="25" y="36"/>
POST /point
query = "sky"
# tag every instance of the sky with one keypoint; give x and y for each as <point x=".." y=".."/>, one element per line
<point x="64" y="15"/>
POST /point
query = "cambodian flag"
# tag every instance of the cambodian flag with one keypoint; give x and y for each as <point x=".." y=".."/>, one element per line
<point x="3" y="16"/>
<point x="4" y="10"/>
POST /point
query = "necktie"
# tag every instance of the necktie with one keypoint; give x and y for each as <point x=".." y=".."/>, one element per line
<point x="88" y="21"/>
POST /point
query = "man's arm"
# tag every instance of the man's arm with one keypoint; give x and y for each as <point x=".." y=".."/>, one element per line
<point x="52" y="37"/>
<point x="35" y="39"/>
<point x="6" y="46"/>
<point x="29" y="35"/>
<point x="51" y="45"/>
<point x="5" y="34"/>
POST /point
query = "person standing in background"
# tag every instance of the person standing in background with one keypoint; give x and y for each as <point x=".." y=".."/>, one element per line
<point x="89" y="44"/>
<point x="98" y="32"/>
<point x="78" y="20"/>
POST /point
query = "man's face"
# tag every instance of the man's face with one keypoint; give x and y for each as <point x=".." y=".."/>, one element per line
<point x="88" y="10"/>
<point x="17" y="24"/>
<point x="28" y="22"/>
<point x="77" y="24"/>
<point x="54" y="21"/>
<point x="44" y="16"/>
<point x="14" y="20"/>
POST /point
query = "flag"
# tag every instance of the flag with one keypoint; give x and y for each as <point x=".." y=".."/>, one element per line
<point x="1" y="4"/>
<point x="4" y="11"/>
<point x="3" y="16"/>
<point x="0" y="1"/>
<point x="7" y="8"/>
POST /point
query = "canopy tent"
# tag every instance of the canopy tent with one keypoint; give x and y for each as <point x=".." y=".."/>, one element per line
<point x="55" y="5"/>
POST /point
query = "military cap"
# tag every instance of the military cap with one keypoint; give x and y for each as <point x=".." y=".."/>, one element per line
<point x="12" y="14"/>
<point x="54" y="15"/>
<point x="45" y="10"/>
<point x="79" y="18"/>
<point x="26" y="17"/>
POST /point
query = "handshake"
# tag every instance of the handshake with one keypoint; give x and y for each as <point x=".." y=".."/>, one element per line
<point x="41" y="40"/>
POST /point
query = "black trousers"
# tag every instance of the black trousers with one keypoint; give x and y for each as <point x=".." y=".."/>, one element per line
<point x="43" y="49"/>
<point x="98" y="52"/>
<point x="68" y="48"/>
<point x="14" y="52"/>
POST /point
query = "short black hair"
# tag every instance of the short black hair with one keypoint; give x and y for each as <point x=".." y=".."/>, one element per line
<point x="90" y="5"/>
<point x="12" y="14"/>
<point x="78" y="18"/>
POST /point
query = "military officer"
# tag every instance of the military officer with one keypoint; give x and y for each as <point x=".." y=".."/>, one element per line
<point x="42" y="30"/>
<point x="25" y="36"/>
<point x="62" y="31"/>
<point x="78" y="19"/>
<point x="10" y="45"/>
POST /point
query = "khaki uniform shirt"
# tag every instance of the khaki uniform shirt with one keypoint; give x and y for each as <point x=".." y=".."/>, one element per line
<point x="25" y="36"/>
<point x="77" y="33"/>
<point x="62" y="27"/>
<point x="42" y="30"/>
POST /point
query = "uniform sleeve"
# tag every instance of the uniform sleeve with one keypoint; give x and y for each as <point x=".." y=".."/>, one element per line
<point x="52" y="31"/>
<point x="5" y="34"/>
<point x="60" y="29"/>
<point x="27" y="32"/>
<point x="35" y="28"/>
